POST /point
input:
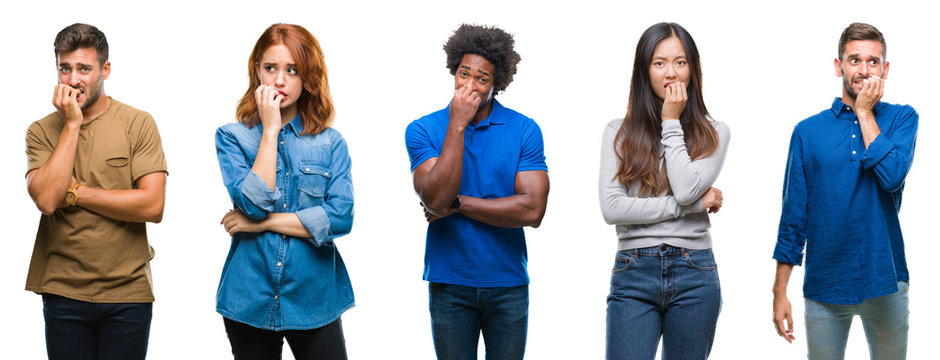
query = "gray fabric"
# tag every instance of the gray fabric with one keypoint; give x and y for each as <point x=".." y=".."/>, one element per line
<point x="675" y="218"/>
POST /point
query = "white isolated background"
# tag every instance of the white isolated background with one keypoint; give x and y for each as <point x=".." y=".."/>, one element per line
<point x="767" y="65"/>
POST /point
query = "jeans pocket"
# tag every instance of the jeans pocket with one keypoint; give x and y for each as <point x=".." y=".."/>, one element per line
<point x="624" y="260"/>
<point x="702" y="260"/>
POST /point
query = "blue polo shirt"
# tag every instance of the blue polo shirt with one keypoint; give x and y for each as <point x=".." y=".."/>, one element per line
<point x="460" y="250"/>
<point x="841" y="202"/>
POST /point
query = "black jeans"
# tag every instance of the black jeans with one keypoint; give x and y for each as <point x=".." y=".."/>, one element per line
<point x="251" y="343"/>
<point x="78" y="330"/>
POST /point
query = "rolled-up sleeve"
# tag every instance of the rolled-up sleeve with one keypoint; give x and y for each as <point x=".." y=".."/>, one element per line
<point x="334" y="217"/>
<point x="791" y="235"/>
<point x="890" y="154"/>
<point x="249" y="193"/>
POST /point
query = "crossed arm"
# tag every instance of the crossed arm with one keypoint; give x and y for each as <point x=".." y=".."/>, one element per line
<point x="142" y="204"/>
<point x="437" y="183"/>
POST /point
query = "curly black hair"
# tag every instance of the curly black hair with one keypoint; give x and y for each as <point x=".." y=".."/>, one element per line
<point x="492" y="43"/>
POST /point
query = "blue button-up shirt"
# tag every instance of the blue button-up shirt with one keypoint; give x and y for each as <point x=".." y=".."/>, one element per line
<point x="274" y="281"/>
<point x="841" y="201"/>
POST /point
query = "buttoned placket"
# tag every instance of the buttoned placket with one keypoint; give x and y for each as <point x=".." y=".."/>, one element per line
<point x="855" y="145"/>
<point x="283" y="179"/>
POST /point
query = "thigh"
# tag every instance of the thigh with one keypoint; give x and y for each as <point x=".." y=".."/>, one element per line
<point x="70" y="328"/>
<point x="885" y="320"/>
<point x="827" y="329"/>
<point x="324" y="343"/>
<point x="251" y="343"/>
<point x="123" y="330"/>
<point x="634" y="317"/>
<point x="455" y="320"/>
<point x="692" y="311"/>
<point x="505" y="322"/>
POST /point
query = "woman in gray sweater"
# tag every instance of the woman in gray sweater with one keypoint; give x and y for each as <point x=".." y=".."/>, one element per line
<point x="657" y="168"/>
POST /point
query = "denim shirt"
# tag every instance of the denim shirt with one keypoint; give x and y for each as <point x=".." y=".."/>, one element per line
<point x="274" y="281"/>
<point x="841" y="201"/>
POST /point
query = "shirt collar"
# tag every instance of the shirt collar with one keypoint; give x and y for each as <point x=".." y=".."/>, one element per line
<point x="496" y="115"/>
<point x="838" y="107"/>
<point x="296" y="125"/>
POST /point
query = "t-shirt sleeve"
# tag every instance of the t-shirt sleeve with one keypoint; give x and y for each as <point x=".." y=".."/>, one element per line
<point x="38" y="148"/>
<point x="533" y="149"/>
<point x="418" y="142"/>
<point x="147" y="148"/>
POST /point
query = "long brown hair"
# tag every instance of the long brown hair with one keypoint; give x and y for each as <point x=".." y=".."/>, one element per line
<point x="315" y="104"/>
<point x="637" y="144"/>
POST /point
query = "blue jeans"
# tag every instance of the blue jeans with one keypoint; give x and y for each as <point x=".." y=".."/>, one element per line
<point x="460" y="313"/>
<point x="885" y="320"/>
<point x="662" y="291"/>
<point x="78" y="330"/>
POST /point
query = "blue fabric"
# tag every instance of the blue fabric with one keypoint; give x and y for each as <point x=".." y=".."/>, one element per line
<point x="79" y="330"/>
<point x="885" y="320"/>
<point x="460" y="313"/>
<point x="841" y="201"/>
<point x="278" y="282"/>
<point x="460" y="250"/>
<point x="662" y="291"/>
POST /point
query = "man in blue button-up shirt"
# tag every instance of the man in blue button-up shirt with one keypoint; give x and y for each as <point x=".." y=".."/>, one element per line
<point x="841" y="197"/>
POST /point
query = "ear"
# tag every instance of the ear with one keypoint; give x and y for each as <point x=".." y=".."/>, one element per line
<point x="837" y="64"/>
<point x="106" y="70"/>
<point x="884" y="75"/>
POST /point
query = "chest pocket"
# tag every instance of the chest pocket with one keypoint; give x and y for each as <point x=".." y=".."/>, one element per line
<point x="312" y="183"/>
<point x="110" y="166"/>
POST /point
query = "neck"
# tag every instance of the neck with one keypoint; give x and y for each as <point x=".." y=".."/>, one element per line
<point x="288" y="113"/>
<point x="483" y="112"/>
<point x="96" y="109"/>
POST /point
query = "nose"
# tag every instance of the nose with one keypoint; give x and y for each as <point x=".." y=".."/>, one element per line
<point x="670" y="72"/>
<point x="865" y="69"/>
<point x="280" y="78"/>
<point x="72" y="79"/>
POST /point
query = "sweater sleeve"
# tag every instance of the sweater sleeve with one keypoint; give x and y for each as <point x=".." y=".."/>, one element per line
<point x="689" y="179"/>
<point x="621" y="208"/>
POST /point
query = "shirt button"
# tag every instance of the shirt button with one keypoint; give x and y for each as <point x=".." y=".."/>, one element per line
<point x="282" y="142"/>
<point x="283" y="237"/>
<point x="853" y="152"/>
<point x="285" y="205"/>
<point x="849" y="108"/>
<point x="856" y="121"/>
<point x="307" y="169"/>
<point x="853" y="136"/>
<point x="279" y="264"/>
<point x="275" y="297"/>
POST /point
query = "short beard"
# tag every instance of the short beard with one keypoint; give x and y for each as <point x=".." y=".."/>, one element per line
<point x="93" y="97"/>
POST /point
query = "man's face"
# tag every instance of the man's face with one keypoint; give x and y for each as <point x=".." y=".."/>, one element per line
<point x="80" y="69"/>
<point x="861" y="60"/>
<point x="669" y="64"/>
<point x="477" y="73"/>
<point x="278" y="69"/>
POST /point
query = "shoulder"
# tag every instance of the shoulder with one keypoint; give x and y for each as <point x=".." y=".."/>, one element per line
<point x="724" y="132"/>
<point x="812" y="121"/>
<point x="128" y="113"/>
<point x="48" y="122"/>
<point x="237" y="132"/>
<point x="900" y="110"/>
<point x="330" y="135"/>
<point x="437" y="119"/>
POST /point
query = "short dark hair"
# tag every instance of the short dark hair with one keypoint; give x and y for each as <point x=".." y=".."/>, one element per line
<point x="80" y="35"/>
<point x="492" y="43"/>
<point x="862" y="31"/>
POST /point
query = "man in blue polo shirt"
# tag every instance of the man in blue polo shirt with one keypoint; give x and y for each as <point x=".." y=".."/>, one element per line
<point x="841" y="197"/>
<point x="480" y="172"/>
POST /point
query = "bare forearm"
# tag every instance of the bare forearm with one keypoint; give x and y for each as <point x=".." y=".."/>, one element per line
<point x="782" y="278"/>
<point x="48" y="184"/>
<point x="868" y="126"/>
<point x="144" y="204"/>
<point x="440" y="185"/>
<point x="510" y="212"/>
<point x="266" y="161"/>
<point x="285" y="223"/>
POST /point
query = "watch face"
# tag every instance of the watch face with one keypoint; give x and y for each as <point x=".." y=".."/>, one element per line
<point x="71" y="197"/>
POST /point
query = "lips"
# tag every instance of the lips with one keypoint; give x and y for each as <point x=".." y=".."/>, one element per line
<point x="668" y="83"/>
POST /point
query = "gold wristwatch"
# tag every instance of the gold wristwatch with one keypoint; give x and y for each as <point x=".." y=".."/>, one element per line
<point x="71" y="197"/>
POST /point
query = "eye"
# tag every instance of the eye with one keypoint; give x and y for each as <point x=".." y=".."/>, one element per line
<point x="269" y="68"/>
<point x="873" y="62"/>
<point x="86" y="69"/>
<point x="64" y="70"/>
<point x="463" y="74"/>
<point x="853" y="61"/>
<point x="681" y="62"/>
<point x="484" y="80"/>
<point x="658" y="63"/>
<point x="292" y="70"/>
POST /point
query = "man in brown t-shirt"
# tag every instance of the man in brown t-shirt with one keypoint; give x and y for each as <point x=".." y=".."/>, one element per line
<point x="97" y="172"/>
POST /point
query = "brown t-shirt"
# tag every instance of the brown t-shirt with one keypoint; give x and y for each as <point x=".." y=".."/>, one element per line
<point x="82" y="255"/>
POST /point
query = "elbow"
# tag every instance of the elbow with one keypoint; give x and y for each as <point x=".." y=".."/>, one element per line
<point x="685" y="198"/>
<point x="534" y="217"/>
<point x="154" y="214"/>
<point x="45" y="209"/>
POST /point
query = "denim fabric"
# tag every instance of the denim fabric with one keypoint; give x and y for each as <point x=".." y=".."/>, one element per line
<point x="884" y="318"/>
<point x="662" y="291"/>
<point x="274" y="281"/>
<point x="251" y="343"/>
<point x="460" y="250"/>
<point x="460" y="313"/>
<point x="78" y="330"/>
<point x="841" y="201"/>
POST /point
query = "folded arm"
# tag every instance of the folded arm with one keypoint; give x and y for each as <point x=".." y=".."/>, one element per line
<point x="689" y="179"/>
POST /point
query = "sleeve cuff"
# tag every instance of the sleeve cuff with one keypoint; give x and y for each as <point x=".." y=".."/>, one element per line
<point x="784" y="255"/>
<point x="316" y="222"/>
<point x="258" y="193"/>
<point x="877" y="150"/>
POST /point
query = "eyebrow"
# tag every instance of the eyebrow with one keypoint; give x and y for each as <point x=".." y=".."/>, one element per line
<point x="665" y="58"/>
<point x="478" y="70"/>
<point x="65" y="64"/>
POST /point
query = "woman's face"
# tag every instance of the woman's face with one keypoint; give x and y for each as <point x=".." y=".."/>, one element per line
<point x="278" y="69"/>
<point x="669" y="64"/>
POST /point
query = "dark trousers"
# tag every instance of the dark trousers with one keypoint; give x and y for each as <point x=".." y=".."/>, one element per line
<point x="78" y="330"/>
<point x="251" y="343"/>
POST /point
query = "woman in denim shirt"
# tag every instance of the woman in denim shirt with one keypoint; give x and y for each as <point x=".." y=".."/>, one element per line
<point x="288" y="175"/>
<point x="658" y="165"/>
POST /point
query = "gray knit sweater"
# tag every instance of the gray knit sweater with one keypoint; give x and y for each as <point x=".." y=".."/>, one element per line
<point x="675" y="218"/>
